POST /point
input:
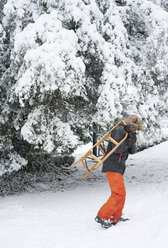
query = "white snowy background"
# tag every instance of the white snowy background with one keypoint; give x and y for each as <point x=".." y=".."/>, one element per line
<point x="72" y="63"/>
<point x="44" y="56"/>
<point x="65" y="218"/>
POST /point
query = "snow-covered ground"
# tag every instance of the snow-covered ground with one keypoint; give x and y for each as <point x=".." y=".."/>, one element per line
<point x="56" y="219"/>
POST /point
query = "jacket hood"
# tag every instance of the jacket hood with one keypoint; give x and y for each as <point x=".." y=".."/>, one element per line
<point x="134" y="122"/>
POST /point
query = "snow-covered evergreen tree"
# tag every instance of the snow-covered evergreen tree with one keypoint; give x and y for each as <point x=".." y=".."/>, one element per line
<point x="68" y="63"/>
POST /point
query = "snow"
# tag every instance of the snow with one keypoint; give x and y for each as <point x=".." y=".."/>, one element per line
<point x="83" y="61"/>
<point x="53" y="43"/>
<point x="65" y="219"/>
<point x="15" y="162"/>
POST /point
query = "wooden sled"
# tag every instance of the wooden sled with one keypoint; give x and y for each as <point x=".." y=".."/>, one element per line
<point x="99" y="161"/>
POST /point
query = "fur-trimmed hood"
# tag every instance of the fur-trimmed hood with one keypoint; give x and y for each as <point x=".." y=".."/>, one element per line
<point x="134" y="122"/>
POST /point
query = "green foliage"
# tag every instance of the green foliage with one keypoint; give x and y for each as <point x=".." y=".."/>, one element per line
<point x="43" y="162"/>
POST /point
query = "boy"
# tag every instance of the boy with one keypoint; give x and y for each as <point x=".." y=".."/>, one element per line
<point x="114" y="167"/>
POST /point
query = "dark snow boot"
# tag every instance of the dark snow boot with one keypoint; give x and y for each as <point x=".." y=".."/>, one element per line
<point x="98" y="219"/>
<point x="120" y="220"/>
<point x="104" y="223"/>
<point x="123" y="219"/>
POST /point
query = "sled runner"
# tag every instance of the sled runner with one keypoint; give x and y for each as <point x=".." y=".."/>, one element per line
<point x="98" y="160"/>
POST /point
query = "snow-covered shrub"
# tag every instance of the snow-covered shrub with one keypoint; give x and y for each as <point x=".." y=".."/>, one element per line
<point x="13" y="162"/>
<point x="74" y="62"/>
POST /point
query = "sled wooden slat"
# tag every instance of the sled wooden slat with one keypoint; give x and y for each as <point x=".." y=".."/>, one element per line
<point x="95" y="158"/>
<point x="102" y="149"/>
<point x="113" y="141"/>
<point x="99" y="161"/>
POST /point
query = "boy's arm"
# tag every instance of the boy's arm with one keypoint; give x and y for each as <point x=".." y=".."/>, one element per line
<point x="132" y="149"/>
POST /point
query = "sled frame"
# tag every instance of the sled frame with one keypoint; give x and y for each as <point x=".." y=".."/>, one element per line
<point x="98" y="160"/>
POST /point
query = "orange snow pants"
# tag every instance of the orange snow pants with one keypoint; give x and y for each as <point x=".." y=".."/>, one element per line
<point x="112" y="209"/>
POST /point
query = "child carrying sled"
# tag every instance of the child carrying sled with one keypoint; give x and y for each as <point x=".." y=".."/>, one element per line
<point x="114" y="167"/>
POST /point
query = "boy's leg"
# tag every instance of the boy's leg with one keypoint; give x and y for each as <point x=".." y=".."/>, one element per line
<point x="112" y="209"/>
<point x="117" y="215"/>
